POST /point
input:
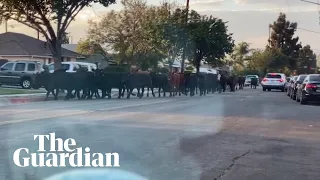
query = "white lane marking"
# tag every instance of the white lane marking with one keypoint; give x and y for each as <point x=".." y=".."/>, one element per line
<point x="82" y="112"/>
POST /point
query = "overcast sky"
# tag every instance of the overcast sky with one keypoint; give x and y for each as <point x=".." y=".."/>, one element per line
<point x="247" y="19"/>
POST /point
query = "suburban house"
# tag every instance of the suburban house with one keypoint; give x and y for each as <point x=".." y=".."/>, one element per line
<point x="103" y="61"/>
<point x="16" y="46"/>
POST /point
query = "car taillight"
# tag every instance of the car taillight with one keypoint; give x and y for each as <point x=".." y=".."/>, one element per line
<point x="265" y="79"/>
<point x="281" y="80"/>
<point x="311" y="86"/>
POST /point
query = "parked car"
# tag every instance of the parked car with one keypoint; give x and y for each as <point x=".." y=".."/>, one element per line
<point x="248" y="79"/>
<point x="274" y="81"/>
<point x="309" y="90"/>
<point x="19" y="73"/>
<point x="290" y="84"/>
<point x="73" y="66"/>
<point x="294" y="88"/>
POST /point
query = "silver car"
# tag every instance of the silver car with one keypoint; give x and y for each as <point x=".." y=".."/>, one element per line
<point x="274" y="81"/>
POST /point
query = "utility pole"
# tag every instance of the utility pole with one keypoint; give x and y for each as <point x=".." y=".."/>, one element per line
<point x="184" y="48"/>
<point x="6" y="25"/>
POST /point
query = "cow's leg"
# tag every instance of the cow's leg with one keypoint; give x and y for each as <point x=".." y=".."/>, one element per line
<point x="142" y="93"/>
<point x="109" y="93"/>
<point x="120" y="93"/>
<point x="47" y="95"/>
<point x="56" y="95"/>
<point x="68" y="95"/>
<point x="129" y="93"/>
<point x="152" y="88"/>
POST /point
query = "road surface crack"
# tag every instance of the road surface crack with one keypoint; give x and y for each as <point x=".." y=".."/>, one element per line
<point x="231" y="165"/>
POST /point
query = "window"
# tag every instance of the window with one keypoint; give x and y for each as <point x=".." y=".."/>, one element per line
<point x="68" y="59"/>
<point x="273" y="76"/>
<point x="301" y="78"/>
<point x="31" y="67"/>
<point x="7" y="67"/>
<point x="315" y="78"/>
<point x="65" y="66"/>
<point x="76" y="67"/>
<point x="20" y="67"/>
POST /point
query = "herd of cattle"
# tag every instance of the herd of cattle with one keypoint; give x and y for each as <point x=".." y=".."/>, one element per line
<point x="84" y="84"/>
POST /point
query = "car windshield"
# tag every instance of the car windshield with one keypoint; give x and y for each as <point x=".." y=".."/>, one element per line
<point x="302" y="77"/>
<point x="249" y="77"/>
<point x="273" y="76"/>
<point x="315" y="78"/>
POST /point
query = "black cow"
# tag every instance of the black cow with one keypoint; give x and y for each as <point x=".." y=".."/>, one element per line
<point x="202" y="83"/>
<point x="160" y="81"/>
<point x="232" y="81"/>
<point x="241" y="81"/>
<point x="106" y="81"/>
<point x="139" y="81"/>
<point x="191" y="81"/>
<point x="45" y="79"/>
<point x="254" y="83"/>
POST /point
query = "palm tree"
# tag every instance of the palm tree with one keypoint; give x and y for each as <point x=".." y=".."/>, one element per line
<point x="240" y="52"/>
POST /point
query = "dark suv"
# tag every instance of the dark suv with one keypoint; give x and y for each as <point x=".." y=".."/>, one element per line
<point x="19" y="73"/>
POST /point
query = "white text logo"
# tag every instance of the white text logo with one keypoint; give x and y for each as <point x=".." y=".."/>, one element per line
<point x="61" y="154"/>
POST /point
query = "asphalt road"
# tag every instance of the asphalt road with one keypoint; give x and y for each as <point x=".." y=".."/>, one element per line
<point x="245" y="135"/>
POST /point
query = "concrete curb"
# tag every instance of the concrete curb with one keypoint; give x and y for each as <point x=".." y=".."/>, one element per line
<point x="21" y="99"/>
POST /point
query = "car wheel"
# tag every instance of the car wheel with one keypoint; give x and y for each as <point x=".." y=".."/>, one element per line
<point x="26" y="83"/>
<point x="282" y="89"/>
<point x="269" y="89"/>
<point x="264" y="89"/>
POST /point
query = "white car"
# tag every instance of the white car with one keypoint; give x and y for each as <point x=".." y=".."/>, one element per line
<point x="248" y="79"/>
<point x="274" y="81"/>
<point x="73" y="66"/>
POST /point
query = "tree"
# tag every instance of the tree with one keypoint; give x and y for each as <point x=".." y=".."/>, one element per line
<point x="43" y="15"/>
<point x="306" y="63"/>
<point x="282" y="37"/>
<point x="65" y="38"/>
<point x="240" y="52"/>
<point x="123" y="30"/>
<point x="168" y="32"/>
<point x="210" y="39"/>
<point x="87" y="47"/>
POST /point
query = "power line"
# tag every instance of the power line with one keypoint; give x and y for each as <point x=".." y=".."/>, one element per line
<point x="308" y="30"/>
<point x="310" y="2"/>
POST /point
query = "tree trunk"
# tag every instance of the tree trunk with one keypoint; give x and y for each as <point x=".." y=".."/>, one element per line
<point x="170" y="65"/>
<point x="56" y="53"/>
<point x="198" y="61"/>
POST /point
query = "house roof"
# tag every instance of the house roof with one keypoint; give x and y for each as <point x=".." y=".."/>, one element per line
<point x="70" y="47"/>
<point x="22" y="45"/>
